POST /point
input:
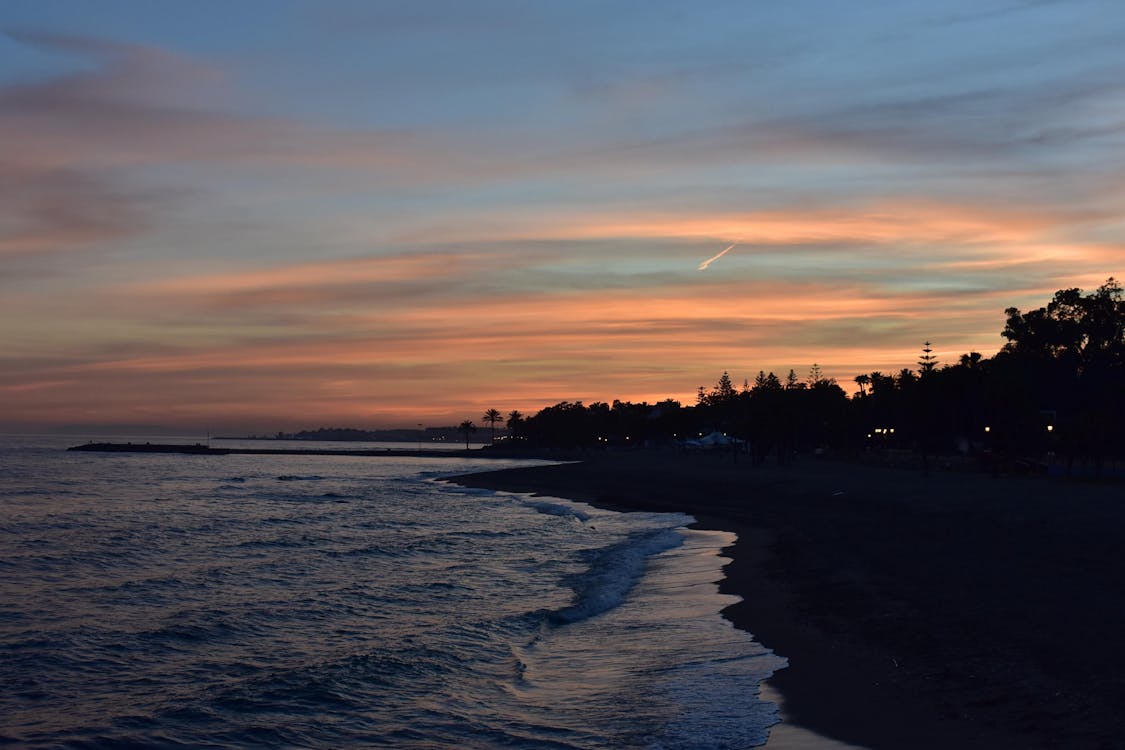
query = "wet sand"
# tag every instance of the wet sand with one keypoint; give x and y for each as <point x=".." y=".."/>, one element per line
<point x="956" y="610"/>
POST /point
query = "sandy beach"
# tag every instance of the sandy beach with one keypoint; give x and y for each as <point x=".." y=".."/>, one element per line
<point x="955" y="610"/>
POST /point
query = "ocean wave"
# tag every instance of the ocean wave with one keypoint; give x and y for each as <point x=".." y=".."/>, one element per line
<point x="372" y="550"/>
<point x="279" y="542"/>
<point x="299" y="478"/>
<point x="558" y="509"/>
<point x="193" y="628"/>
<point x="613" y="572"/>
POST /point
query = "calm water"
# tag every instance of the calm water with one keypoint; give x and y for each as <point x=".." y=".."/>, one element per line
<point x="324" y="602"/>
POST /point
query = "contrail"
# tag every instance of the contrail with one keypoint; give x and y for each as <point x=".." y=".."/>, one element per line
<point x="709" y="261"/>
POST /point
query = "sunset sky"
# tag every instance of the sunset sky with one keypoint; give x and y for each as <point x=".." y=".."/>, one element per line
<point x="274" y="215"/>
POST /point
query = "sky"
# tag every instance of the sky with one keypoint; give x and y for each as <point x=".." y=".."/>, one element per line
<point x="261" y="216"/>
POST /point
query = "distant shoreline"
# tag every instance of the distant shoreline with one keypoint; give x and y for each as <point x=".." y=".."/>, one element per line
<point x="200" y="449"/>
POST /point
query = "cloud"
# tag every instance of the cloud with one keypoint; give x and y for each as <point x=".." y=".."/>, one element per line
<point x="142" y="105"/>
<point x="883" y="221"/>
<point x="51" y="209"/>
<point x="73" y="147"/>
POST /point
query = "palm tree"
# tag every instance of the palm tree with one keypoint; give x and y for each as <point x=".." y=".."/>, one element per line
<point x="492" y="417"/>
<point x="468" y="428"/>
<point x="515" y="421"/>
<point x="862" y="381"/>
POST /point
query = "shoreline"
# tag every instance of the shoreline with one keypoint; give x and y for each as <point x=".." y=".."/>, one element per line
<point x="948" y="611"/>
<point x="200" y="449"/>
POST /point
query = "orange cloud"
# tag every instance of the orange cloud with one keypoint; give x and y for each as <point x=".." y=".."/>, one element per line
<point x="492" y="327"/>
<point x="330" y="273"/>
<point x="595" y="340"/>
<point x="882" y="222"/>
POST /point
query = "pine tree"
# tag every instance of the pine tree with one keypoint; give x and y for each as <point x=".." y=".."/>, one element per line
<point x="764" y="382"/>
<point x="927" y="362"/>
<point x="724" y="389"/>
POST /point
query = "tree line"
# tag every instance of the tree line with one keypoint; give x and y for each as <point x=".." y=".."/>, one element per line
<point x="1055" y="391"/>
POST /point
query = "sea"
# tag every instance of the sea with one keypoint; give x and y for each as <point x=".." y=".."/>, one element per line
<point x="238" y="601"/>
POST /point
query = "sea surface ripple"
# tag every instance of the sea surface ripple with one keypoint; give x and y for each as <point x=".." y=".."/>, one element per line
<point x="172" y="601"/>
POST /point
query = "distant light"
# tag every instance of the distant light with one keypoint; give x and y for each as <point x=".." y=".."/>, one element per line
<point x="987" y="428"/>
<point x="1050" y="428"/>
<point x="869" y="434"/>
<point x="892" y="430"/>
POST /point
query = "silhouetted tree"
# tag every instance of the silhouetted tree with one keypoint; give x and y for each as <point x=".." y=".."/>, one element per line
<point x="1076" y="328"/>
<point x="1063" y="363"/>
<point x="821" y="416"/>
<point x="763" y="382"/>
<point x="882" y="408"/>
<point x="669" y="420"/>
<point x="816" y="376"/>
<point x="767" y="427"/>
<point x="492" y="416"/>
<point x="467" y="428"/>
<point x="564" y="425"/>
<point x="723" y="392"/>
<point x="599" y="423"/>
<point x="515" y="423"/>
<point x="718" y="409"/>
<point x="927" y="362"/>
<point x="724" y="389"/>
<point x="881" y="383"/>
<point x="1072" y="354"/>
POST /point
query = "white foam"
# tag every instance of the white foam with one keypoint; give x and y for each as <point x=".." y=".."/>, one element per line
<point x="658" y="667"/>
<point x="613" y="572"/>
<point x="552" y="508"/>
